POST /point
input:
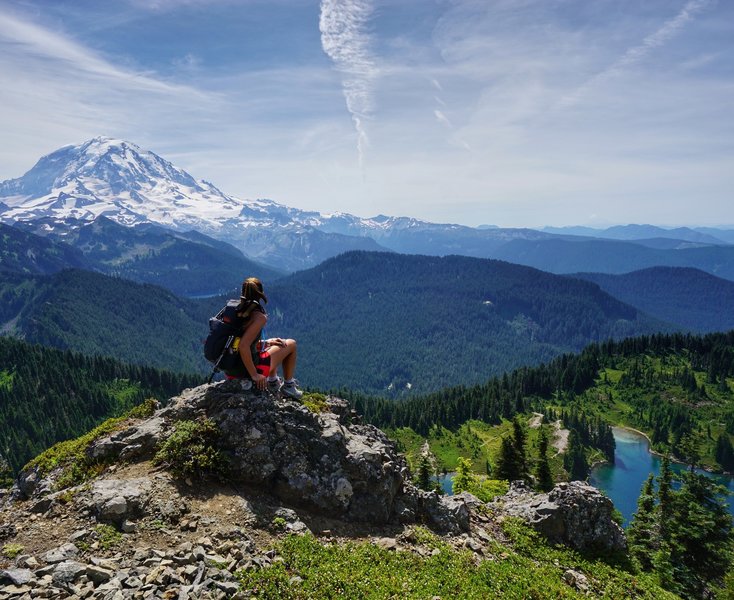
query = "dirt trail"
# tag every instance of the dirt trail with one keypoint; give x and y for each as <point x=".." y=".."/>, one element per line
<point x="560" y="438"/>
<point x="535" y="421"/>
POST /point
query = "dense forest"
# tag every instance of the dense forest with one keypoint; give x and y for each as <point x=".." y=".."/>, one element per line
<point x="398" y="325"/>
<point x="23" y="252"/>
<point x="49" y="395"/>
<point x="689" y="298"/>
<point x="97" y="314"/>
<point x="378" y="323"/>
<point x="675" y="387"/>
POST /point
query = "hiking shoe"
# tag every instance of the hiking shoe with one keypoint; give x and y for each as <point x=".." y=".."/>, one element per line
<point x="275" y="385"/>
<point x="291" y="390"/>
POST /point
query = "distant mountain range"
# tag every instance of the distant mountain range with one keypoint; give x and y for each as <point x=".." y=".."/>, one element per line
<point x="697" y="235"/>
<point x="116" y="180"/>
<point x="187" y="263"/>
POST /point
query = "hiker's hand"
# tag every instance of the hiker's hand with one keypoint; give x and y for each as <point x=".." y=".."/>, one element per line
<point x="277" y="342"/>
<point x="260" y="381"/>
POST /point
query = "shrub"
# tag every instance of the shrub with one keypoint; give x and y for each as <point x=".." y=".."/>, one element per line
<point x="316" y="403"/>
<point x="107" y="536"/>
<point x="12" y="550"/>
<point x="191" y="450"/>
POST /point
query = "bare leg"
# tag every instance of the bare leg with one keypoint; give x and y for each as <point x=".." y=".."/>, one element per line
<point x="285" y="355"/>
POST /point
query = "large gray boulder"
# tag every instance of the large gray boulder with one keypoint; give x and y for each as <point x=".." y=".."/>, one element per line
<point x="575" y="514"/>
<point x="319" y="460"/>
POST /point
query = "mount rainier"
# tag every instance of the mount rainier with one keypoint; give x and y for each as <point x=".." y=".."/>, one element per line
<point x="111" y="178"/>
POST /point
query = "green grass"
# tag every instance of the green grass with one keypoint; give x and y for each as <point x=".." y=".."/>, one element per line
<point x="360" y="570"/>
<point x="70" y="456"/>
<point x="620" y="401"/>
<point x="475" y="440"/>
<point x="190" y="450"/>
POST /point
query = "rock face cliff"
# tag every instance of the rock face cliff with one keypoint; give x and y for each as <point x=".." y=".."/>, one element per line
<point x="575" y="514"/>
<point x="134" y="530"/>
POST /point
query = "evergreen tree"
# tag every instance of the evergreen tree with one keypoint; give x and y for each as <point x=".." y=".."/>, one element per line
<point x="575" y="461"/>
<point x="543" y="472"/>
<point x="423" y="478"/>
<point x="700" y="534"/>
<point x="507" y="463"/>
<point x="519" y="441"/>
<point x="464" y="479"/>
<point x="725" y="452"/>
<point x="642" y="534"/>
<point x="665" y="496"/>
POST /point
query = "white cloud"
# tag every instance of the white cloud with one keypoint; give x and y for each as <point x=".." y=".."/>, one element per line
<point x="344" y="39"/>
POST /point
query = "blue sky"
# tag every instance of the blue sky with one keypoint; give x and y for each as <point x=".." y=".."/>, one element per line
<point x="508" y="112"/>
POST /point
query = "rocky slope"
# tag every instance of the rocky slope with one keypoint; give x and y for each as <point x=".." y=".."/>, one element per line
<point x="113" y="521"/>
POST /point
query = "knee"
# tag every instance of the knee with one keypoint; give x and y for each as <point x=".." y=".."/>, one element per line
<point x="291" y="343"/>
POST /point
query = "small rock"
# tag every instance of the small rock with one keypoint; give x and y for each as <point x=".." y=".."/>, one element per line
<point x="17" y="590"/>
<point x="81" y="534"/>
<point x="228" y="587"/>
<point x="28" y="562"/>
<point x="98" y="574"/>
<point x="41" y="506"/>
<point x="68" y="571"/>
<point x="61" y="553"/>
<point x="17" y="576"/>
<point x="387" y="543"/>
<point x="576" y="580"/>
<point x="128" y="526"/>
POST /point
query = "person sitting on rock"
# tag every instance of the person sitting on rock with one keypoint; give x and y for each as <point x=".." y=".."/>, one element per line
<point x="261" y="358"/>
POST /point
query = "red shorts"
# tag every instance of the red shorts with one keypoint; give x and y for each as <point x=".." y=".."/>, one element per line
<point x="262" y="364"/>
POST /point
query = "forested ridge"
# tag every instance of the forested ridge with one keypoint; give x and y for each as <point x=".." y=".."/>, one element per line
<point x="675" y="387"/>
<point x="49" y="395"/>
<point x="378" y="323"/>
<point x="97" y="314"/>
<point x="692" y="299"/>
<point x="398" y="325"/>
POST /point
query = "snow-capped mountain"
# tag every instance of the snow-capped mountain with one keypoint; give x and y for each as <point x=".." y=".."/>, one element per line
<point x="114" y="178"/>
<point x="111" y="178"/>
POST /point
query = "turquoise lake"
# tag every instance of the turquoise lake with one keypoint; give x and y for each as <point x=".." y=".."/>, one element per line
<point x="633" y="462"/>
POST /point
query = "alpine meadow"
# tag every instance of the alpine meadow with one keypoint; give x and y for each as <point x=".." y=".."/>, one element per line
<point x="368" y="300"/>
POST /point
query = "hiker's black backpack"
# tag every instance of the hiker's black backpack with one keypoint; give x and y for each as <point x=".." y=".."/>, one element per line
<point x="225" y="328"/>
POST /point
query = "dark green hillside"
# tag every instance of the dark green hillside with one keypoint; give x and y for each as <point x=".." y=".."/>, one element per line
<point x="686" y="297"/>
<point x="96" y="314"/>
<point x="391" y="324"/>
<point x="47" y="395"/>
<point x="609" y="256"/>
<point x="679" y="389"/>
<point x="188" y="264"/>
<point x="24" y="252"/>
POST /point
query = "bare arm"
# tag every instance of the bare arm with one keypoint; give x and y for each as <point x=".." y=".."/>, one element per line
<point x="251" y="333"/>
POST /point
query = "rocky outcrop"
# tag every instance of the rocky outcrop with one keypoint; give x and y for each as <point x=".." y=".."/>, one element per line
<point x="323" y="460"/>
<point x="575" y="514"/>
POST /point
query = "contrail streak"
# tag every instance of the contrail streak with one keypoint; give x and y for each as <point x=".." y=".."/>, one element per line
<point x="635" y="54"/>
<point x="344" y="40"/>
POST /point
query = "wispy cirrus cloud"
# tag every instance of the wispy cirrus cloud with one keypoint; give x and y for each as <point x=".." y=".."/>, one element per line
<point x="345" y="41"/>
<point x="635" y="54"/>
